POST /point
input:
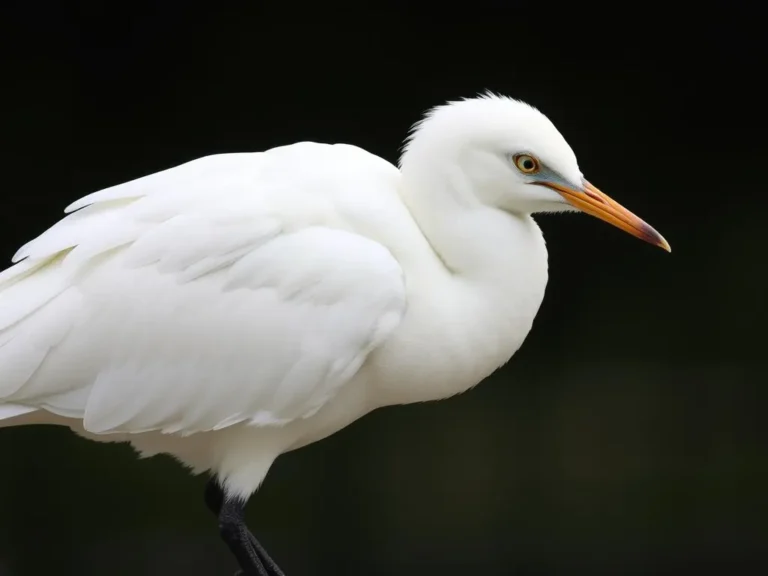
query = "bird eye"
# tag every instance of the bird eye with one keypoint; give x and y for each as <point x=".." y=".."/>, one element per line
<point x="526" y="164"/>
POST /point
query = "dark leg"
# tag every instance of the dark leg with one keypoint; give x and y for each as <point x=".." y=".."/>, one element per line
<point x="250" y="554"/>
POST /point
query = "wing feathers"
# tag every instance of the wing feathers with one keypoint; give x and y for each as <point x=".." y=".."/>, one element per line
<point x="226" y="291"/>
<point x="24" y="347"/>
<point x="30" y="293"/>
<point x="270" y="350"/>
<point x="88" y="226"/>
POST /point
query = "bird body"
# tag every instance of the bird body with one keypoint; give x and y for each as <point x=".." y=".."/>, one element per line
<point x="235" y="307"/>
<point x="239" y="306"/>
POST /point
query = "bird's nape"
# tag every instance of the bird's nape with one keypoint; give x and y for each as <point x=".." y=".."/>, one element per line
<point x="590" y="200"/>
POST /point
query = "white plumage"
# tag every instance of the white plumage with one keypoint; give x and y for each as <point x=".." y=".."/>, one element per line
<point x="242" y="305"/>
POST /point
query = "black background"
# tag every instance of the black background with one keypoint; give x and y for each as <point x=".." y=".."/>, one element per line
<point x="624" y="437"/>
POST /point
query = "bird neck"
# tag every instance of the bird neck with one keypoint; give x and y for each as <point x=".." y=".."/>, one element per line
<point x="486" y="246"/>
<point x="469" y="314"/>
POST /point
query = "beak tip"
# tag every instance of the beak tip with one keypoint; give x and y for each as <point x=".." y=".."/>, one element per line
<point x="662" y="243"/>
<point x="652" y="237"/>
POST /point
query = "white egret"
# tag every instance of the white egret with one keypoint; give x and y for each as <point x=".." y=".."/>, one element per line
<point x="240" y="306"/>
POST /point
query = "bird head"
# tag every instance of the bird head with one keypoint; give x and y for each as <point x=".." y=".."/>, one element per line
<point x="512" y="157"/>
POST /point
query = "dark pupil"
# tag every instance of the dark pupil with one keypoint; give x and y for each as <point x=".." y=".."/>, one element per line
<point x="528" y="164"/>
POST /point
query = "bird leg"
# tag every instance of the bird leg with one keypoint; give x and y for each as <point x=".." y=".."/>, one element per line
<point x="249" y="553"/>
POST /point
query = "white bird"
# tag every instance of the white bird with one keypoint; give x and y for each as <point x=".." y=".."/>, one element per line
<point x="240" y="306"/>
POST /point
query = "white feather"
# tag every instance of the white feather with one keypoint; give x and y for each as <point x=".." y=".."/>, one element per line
<point x="8" y="411"/>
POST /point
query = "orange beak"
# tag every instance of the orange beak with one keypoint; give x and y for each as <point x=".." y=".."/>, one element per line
<point x="596" y="203"/>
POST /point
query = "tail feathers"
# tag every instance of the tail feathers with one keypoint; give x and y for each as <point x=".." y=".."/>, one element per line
<point x="12" y="410"/>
